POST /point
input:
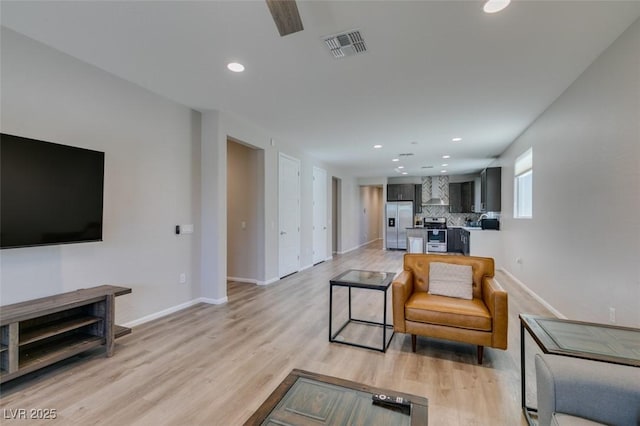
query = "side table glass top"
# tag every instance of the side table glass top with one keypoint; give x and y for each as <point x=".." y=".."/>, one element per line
<point x="372" y="278"/>
<point x="595" y="339"/>
<point x="603" y="342"/>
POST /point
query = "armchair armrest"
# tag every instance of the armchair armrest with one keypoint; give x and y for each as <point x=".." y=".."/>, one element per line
<point x="593" y="390"/>
<point x="495" y="298"/>
<point x="402" y="288"/>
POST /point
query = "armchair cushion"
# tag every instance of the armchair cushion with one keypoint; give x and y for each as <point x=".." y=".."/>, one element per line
<point x="447" y="279"/>
<point x="441" y="310"/>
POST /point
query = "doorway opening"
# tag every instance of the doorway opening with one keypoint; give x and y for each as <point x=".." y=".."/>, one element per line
<point x="336" y="208"/>
<point x="245" y="212"/>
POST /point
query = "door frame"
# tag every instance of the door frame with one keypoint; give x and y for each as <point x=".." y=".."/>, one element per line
<point x="281" y="209"/>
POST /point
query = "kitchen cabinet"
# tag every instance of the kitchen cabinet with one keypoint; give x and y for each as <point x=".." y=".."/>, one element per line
<point x="453" y="239"/>
<point x="401" y="192"/>
<point x="458" y="241"/>
<point x="462" y="197"/>
<point x="491" y="187"/>
<point x="417" y="199"/>
<point x="465" y="244"/>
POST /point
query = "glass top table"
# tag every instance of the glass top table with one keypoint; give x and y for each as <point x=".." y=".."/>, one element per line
<point x="368" y="279"/>
<point x="599" y="342"/>
<point x="578" y="339"/>
<point x="305" y="398"/>
<point x="355" y="331"/>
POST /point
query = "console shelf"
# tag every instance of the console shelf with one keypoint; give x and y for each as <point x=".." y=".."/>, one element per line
<point x="38" y="333"/>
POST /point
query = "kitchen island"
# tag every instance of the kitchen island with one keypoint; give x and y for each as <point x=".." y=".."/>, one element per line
<point x="473" y="241"/>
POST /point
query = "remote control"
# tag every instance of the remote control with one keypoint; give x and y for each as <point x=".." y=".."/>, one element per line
<point x="392" y="401"/>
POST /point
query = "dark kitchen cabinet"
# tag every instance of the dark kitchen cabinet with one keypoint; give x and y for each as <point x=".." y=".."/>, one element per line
<point x="491" y="187"/>
<point x="401" y="192"/>
<point x="417" y="199"/>
<point x="465" y="245"/>
<point x="453" y="239"/>
<point x="461" y="197"/>
<point x="458" y="241"/>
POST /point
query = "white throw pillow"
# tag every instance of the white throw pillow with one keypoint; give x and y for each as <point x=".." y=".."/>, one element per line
<point x="447" y="279"/>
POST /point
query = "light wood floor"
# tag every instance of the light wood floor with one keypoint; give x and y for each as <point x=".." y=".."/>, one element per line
<point x="215" y="365"/>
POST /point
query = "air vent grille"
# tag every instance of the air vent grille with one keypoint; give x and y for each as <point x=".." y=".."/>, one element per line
<point x="405" y="154"/>
<point x="346" y="44"/>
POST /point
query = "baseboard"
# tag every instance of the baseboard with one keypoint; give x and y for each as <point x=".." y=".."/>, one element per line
<point x="173" y="309"/>
<point x="161" y="314"/>
<point x="305" y="267"/>
<point x="252" y="281"/>
<point x="357" y="247"/>
<point x="242" y="280"/>
<point x="534" y="295"/>
<point x="220" y="301"/>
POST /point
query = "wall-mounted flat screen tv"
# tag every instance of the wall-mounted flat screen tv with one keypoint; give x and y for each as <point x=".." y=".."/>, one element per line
<point x="49" y="193"/>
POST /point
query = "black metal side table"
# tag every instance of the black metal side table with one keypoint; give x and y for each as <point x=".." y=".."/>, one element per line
<point x="370" y="280"/>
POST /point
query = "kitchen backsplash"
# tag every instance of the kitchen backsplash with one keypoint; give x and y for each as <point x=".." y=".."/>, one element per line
<point x="453" y="219"/>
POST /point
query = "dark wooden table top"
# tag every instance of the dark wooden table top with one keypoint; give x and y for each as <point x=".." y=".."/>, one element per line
<point x="419" y="404"/>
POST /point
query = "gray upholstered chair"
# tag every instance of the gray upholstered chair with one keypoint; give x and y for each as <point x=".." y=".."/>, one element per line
<point x="575" y="392"/>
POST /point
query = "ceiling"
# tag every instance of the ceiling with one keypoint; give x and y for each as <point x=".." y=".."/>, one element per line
<point x="434" y="70"/>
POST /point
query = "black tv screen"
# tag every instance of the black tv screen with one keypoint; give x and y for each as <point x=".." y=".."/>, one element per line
<point x="49" y="193"/>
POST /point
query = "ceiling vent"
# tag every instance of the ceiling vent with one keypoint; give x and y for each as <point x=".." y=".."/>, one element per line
<point x="349" y="43"/>
<point x="405" y="154"/>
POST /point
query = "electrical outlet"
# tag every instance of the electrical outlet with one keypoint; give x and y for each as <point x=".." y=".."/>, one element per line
<point x="612" y="315"/>
<point x="183" y="278"/>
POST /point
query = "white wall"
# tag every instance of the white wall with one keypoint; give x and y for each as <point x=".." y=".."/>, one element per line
<point x="165" y="165"/>
<point x="581" y="250"/>
<point x="152" y="171"/>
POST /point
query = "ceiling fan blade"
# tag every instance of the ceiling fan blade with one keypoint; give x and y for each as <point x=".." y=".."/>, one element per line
<point x="286" y="16"/>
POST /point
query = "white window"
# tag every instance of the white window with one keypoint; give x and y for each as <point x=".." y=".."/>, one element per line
<point x="523" y="186"/>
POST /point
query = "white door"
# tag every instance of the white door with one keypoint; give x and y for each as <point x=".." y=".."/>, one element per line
<point x="289" y="214"/>
<point x="320" y="232"/>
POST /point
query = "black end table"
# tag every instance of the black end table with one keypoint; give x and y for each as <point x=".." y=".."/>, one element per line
<point x="369" y="280"/>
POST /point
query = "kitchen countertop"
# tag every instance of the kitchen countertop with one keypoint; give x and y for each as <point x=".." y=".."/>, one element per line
<point x="473" y="228"/>
<point x="466" y="228"/>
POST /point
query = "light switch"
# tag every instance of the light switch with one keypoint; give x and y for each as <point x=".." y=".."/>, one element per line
<point x="186" y="229"/>
<point x="243" y="224"/>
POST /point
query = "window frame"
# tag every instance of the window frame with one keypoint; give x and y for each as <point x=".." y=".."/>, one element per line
<point x="523" y="169"/>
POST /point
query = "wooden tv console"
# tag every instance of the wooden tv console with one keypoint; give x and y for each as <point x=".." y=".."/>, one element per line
<point x="40" y="332"/>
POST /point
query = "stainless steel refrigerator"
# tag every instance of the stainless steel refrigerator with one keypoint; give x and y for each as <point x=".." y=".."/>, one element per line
<point x="399" y="218"/>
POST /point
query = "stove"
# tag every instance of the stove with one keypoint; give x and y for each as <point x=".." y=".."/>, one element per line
<point x="435" y="223"/>
<point x="436" y="234"/>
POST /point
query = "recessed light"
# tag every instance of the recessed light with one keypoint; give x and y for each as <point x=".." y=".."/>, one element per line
<point x="456" y="139"/>
<point x="405" y="173"/>
<point x="446" y="156"/>
<point x="235" y="67"/>
<point x="443" y="171"/>
<point x="401" y="167"/>
<point x="493" y="6"/>
<point x="377" y="146"/>
<point x="395" y="159"/>
<point x="444" y="165"/>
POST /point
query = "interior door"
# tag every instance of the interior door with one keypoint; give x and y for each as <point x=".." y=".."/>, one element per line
<point x="320" y="232"/>
<point x="289" y="214"/>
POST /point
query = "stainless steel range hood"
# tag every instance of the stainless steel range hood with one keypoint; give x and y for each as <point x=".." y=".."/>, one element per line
<point x="435" y="187"/>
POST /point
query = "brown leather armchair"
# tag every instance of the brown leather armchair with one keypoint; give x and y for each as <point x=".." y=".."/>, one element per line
<point x="481" y="321"/>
